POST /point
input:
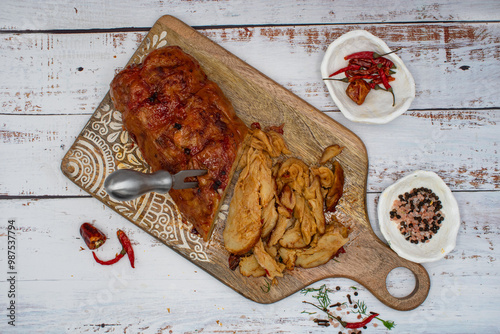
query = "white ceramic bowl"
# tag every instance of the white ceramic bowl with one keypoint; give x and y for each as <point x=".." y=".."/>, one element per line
<point x="377" y="108"/>
<point x="443" y="241"/>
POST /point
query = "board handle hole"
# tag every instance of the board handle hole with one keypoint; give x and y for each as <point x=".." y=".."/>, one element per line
<point x="400" y="282"/>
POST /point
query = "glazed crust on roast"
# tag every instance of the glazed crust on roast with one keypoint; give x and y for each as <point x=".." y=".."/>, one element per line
<point x="181" y="120"/>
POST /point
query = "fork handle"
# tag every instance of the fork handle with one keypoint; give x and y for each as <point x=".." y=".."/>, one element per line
<point x="126" y="184"/>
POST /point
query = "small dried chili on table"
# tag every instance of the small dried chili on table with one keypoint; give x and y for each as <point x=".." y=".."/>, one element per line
<point x="361" y="323"/>
<point x="92" y="236"/>
<point x="127" y="246"/>
<point x="126" y="249"/>
<point x="109" y="262"/>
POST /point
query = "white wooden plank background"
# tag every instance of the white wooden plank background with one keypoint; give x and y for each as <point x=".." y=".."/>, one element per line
<point x="56" y="61"/>
<point x="92" y="14"/>
<point x="74" y="70"/>
<point x="35" y="145"/>
<point x="68" y="288"/>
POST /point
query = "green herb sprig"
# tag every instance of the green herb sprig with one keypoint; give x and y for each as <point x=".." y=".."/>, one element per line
<point x="361" y="309"/>
<point x="389" y="324"/>
<point x="324" y="302"/>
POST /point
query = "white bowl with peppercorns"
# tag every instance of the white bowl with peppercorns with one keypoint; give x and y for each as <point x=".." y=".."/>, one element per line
<point x="419" y="217"/>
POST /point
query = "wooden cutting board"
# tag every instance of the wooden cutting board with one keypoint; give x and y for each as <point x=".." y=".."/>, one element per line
<point x="103" y="147"/>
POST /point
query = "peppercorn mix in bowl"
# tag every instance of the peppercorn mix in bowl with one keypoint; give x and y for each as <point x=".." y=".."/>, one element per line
<point x="387" y="98"/>
<point x="419" y="217"/>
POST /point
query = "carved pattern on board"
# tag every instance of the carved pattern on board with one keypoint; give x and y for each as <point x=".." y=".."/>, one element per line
<point x="102" y="147"/>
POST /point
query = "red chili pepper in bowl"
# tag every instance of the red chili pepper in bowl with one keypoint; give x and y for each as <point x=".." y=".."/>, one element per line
<point x="385" y="82"/>
<point x="388" y="87"/>
<point x="348" y="68"/>
<point x="361" y="55"/>
<point x="384" y="62"/>
<point x="366" y="63"/>
<point x="358" y="90"/>
<point x="92" y="236"/>
<point x="356" y="77"/>
<point x="127" y="246"/>
<point x="378" y="80"/>
<point x="373" y="70"/>
<point x="368" y="55"/>
<point x="370" y="66"/>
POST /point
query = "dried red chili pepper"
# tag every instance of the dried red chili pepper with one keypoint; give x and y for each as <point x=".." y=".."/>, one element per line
<point x="357" y="90"/>
<point x="368" y="54"/>
<point x="109" y="262"/>
<point x="92" y="236"/>
<point x="361" y="55"/>
<point x="378" y="80"/>
<point x="356" y="77"/>
<point x="361" y="323"/>
<point x="350" y="67"/>
<point x="366" y="63"/>
<point x="365" y="71"/>
<point x="127" y="246"/>
<point x="388" y="87"/>
<point x="385" y="82"/>
<point x="384" y="62"/>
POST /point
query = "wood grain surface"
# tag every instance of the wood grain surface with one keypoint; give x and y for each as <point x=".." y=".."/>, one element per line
<point x="57" y="59"/>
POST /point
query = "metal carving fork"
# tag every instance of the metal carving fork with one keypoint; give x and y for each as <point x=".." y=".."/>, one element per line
<point x="126" y="184"/>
